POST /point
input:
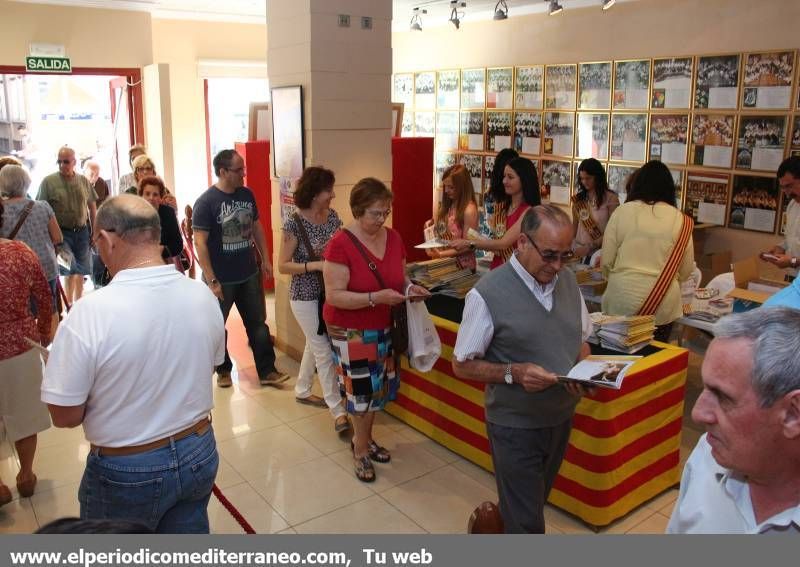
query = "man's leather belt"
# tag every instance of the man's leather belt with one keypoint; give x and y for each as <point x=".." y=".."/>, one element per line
<point x="200" y="427"/>
<point x="75" y="229"/>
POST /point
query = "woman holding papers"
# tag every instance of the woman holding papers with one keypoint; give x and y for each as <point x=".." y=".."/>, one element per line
<point x="457" y="214"/>
<point x="647" y="251"/>
<point x="592" y="206"/>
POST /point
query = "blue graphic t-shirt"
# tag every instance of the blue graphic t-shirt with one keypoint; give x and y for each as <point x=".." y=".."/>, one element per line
<point x="228" y="218"/>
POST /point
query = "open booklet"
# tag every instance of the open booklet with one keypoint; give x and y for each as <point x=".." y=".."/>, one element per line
<point x="602" y="371"/>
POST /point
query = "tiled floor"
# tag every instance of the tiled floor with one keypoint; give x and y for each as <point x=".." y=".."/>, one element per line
<point x="286" y="470"/>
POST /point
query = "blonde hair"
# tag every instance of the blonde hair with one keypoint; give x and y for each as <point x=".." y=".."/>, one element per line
<point x="463" y="194"/>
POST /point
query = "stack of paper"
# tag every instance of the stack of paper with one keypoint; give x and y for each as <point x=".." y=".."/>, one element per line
<point x="443" y="276"/>
<point x="623" y="334"/>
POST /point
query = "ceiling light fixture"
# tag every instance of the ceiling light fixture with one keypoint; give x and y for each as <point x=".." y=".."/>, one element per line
<point x="501" y="10"/>
<point x="608" y="3"/>
<point x="455" y="17"/>
<point x="555" y="7"/>
<point x="416" y="20"/>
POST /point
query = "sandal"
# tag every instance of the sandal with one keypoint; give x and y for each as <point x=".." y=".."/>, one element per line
<point x="364" y="470"/>
<point x="376" y="452"/>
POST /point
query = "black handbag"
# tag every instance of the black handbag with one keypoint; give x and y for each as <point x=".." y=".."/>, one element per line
<point x="312" y="256"/>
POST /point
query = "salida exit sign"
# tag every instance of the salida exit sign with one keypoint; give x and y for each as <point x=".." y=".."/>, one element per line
<point x="38" y="64"/>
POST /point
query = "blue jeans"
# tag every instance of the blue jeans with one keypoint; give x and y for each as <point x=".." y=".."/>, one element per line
<point x="78" y="242"/>
<point x="166" y="489"/>
<point x="249" y="299"/>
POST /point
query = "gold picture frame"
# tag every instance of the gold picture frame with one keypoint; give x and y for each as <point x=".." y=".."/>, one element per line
<point x="529" y="87"/>
<point x="668" y="138"/>
<point x="397" y="119"/>
<point x="596" y="144"/>
<point x="627" y="90"/>
<point x="561" y="86"/>
<point x="717" y="82"/>
<point x="595" y="85"/>
<point x="672" y="83"/>
<point x="767" y="85"/>
<point x="711" y="134"/>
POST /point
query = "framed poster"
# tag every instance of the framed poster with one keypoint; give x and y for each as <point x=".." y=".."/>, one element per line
<point x="559" y="134"/>
<point x="712" y="140"/>
<point x="632" y="84"/>
<point x="618" y="176"/>
<point x="784" y="206"/>
<point x="594" y="86"/>
<point x="424" y="91"/>
<point x="287" y="131"/>
<point x="556" y="181"/>
<point x="529" y="87"/>
<point x="528" y="132"/>
<point x="628" y="137"/>
<point x="403" y="89"/>
<point x="672" y="83"/>
<point x="471" y="131"/>
<point x="560" y="83"/>
<point x="717" y="82"/>
<point x="448" y="96"/>
<point x="795" y="140"/>
<point x="407" y="128"/>
<point x="474" y="164"/>
<point x="397" y="118"/>
<point x="424" y="124"/>
<point x="754" y="203"/>
<point x="441" y="161"/>
<point x="707" y="197"/>
<point x="447" y="131"/>
<point x="488" y="167"/>
<point x="473" y="88"/>
<point x="669" y="138"/>
<point x="677" y="178"/>
<point x="760" y="142"/>
<point x="768" y="80"/>
<point x="591" y="135"/>
<point x="498" y="130"/>
<point x="499" y="90"/>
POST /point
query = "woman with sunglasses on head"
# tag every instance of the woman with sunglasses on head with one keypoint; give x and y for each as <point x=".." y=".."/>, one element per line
<point x="457" y="214"/>
<point x="521" y="192"/>
<point x="143" y="167"/>
<point x="591" y="208"/>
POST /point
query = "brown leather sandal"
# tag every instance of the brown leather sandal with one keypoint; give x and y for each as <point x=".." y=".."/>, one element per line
<point x="379" y="454"/>
<point x="364" y="470"/>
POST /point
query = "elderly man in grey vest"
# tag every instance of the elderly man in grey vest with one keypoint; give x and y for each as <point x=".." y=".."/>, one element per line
<point x="524" y="324"/>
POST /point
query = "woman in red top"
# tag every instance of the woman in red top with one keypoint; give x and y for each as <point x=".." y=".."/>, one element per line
<point x="357" y="313"/>
<point x="21" y="277"/>
<point x="521" y="186"/>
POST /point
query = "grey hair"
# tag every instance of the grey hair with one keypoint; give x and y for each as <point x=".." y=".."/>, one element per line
<point x="775" y="335"/>
<point x="533" y="218"/>
<point x="14" y="181"/>
<point x="91" y="163"/>
<point x="131" y="218"/>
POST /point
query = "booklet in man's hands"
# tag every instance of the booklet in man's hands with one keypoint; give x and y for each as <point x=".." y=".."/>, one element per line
<point x="602" y="371"/>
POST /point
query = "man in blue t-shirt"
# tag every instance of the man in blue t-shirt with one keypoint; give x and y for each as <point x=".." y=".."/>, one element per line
<point x="225" y="222"/>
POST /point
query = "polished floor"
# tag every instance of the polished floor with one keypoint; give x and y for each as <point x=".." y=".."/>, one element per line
<point x="286" y="470"/>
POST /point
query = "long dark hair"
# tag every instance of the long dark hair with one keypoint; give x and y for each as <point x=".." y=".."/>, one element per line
<point x="594" y="168"/>
<point x="526" y="171"/>
<point x="496" y="190"/>
<point x="653" y="184"/>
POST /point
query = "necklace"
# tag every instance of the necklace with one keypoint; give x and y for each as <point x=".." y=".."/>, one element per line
<point x="142" y="263"/>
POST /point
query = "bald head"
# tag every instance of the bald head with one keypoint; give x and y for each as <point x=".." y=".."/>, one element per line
<point x="131" y="218"/>
<point x="66" y="161"/>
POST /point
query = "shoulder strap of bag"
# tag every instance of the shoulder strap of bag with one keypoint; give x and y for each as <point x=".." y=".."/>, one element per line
<point x="24" y="215"/>
<point x="664" y="280"/>
<point x="304" y="236"/>
<point x="585" y="216"/>
<point x="370" y="264"/>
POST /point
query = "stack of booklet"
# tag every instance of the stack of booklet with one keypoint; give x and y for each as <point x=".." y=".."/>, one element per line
<point x="622" y="334"/>
<point x="591" y="281"/>
<point x="443" y="276"/>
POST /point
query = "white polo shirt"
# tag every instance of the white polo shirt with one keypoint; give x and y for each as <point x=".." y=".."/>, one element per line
<point x="140" y="353"/>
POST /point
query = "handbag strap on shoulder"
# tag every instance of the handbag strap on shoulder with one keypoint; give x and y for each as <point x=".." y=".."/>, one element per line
<point x="370" y="264"/>
<point x="24" y="215"/>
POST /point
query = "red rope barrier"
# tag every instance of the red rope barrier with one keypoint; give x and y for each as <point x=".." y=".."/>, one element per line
<point x="248" y="529"/>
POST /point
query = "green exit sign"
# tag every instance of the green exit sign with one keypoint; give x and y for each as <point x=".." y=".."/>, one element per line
<point x="35" y="64"/>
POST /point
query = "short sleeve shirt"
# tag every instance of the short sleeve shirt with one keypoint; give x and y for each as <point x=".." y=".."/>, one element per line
<point x="306" y="287"/>
<point x="69" y="198"/>
<point x="34" y="231"/>
<point x="228" y="218"/>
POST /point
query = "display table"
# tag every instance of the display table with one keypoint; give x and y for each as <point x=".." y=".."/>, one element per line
<point x="624" y="448"/>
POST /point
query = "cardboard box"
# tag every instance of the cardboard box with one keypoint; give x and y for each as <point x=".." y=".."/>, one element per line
<point x="712" y="265"/>
<point x="756" y="280"/>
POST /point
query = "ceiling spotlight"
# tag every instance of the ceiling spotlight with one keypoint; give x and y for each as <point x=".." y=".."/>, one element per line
<point x="555" y="7"/>
<point x="455" y="16"/>
<point x="608" y="3"/>
<point x="416" y="20"/>
<point x="501" y="10"/>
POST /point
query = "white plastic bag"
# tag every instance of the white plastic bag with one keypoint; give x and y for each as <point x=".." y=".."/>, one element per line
<point x="424" y="346"/>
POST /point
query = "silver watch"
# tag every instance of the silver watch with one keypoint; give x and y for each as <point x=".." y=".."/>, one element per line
<point x="508" y="377"/>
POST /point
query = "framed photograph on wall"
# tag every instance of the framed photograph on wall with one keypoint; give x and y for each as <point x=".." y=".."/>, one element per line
<point x="408" y="125"/>
<point x="677" y="178"/>
<point x="618" y="176"/>
<point x="760" y="142"/>
<point x="441" y="161"/>
<point x="795" y="140"/>
<point x="754" y="203"/>
<point x="594" y="86"/>
<point x="500" y="87"/>
<point x="556" y="181"/>
<point x="707" y="197"/>
<point x="473" y="88"/>
<point x="529" y="87"/>
<point x="498" y="130"/>
<point x="287" y="131"/>
<point x="425" y="124"/>
<point x="784" y="206"/>
<point x="447" y="131"/>
<point x="669" y="138"/>
<point x="259" y="121"/>
<point x="397" y="119"/>
<point x="488" y="167"/>
<point x="591" y="135"/>
<point x="474" y="164"/>
<point x="471" y="131"/>
<point x="717" y="82"/>
<point x="629" y="137"/>
<point x="559" y="134"/>
<point x="768" y="80"/>
<point x="712" y="140"/>
<point x="561" y="84"/>
<point x="448" y="95"/>
<point x="528" y="132"/>
<point x="632" y="84"/>
<point x="403" y="89"/>
<point x="672" y="83"/>
<point x="425" y="90"/>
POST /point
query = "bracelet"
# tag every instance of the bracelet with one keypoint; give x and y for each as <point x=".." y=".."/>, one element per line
<point x="306" y="265"/>
<point x="369" y="299"/>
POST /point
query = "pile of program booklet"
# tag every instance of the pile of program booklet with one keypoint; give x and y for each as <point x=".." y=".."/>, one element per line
<point x="620" y="333"/>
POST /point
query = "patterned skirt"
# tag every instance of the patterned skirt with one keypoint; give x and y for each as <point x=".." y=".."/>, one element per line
<point x="365" y="366"/>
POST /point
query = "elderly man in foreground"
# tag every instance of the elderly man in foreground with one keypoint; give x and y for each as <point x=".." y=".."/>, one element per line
<point x="744" y="474"/>
<point x="132" y="363"/>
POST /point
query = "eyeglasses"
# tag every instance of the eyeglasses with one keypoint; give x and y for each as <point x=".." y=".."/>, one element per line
<point x="145" y="169"/>
<point x="97" y="231"/>
<point x="238" y="170"/>
<point x="375" y="214"/>
<point x="551" y="256"/>
<point x="63" y="161"/>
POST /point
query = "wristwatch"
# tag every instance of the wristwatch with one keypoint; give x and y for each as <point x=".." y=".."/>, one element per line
<point x="508" y="376"/>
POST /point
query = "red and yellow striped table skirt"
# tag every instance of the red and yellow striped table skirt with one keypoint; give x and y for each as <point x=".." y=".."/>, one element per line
<point x="624" y="448"/>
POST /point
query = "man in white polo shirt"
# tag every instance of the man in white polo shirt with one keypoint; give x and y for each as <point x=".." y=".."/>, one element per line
<point x="132" y="363"/>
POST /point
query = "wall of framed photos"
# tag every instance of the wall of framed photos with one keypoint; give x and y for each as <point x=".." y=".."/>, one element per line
<point x="721" y="122"/>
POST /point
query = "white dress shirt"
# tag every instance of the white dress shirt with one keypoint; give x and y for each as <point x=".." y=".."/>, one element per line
<point x="476" y="330"/>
